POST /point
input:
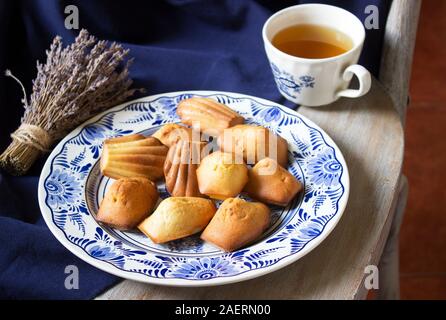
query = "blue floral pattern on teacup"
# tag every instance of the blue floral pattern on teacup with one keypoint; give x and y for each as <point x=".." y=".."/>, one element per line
<point x="290" y="85"/>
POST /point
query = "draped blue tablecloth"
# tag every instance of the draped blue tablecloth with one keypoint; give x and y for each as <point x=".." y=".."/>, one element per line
<point x="177" y="45"/>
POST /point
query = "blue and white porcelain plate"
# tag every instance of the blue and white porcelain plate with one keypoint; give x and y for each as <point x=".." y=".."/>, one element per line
<point x="71" y="187"/>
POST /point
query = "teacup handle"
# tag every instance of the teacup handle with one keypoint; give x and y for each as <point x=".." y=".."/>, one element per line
<point x="365" y="81"/>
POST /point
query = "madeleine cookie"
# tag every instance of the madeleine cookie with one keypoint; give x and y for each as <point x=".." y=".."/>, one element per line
<point x="270" y="183"/>
<point x="129" y="138"/>
<point x="207" y="115"/>
<point x="219" y="177"/>
<point x="236" y="224"/>
<point x="178" y="217"/>
<point x="133" y="156"/>
<point x="128" y="202"/>
<point x="180" y="169"/>
<point x="173" y="132"/>
<point x="254" y="143"/>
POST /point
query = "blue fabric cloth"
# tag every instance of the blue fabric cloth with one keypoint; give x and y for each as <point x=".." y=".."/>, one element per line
<point x="177" y="45"/>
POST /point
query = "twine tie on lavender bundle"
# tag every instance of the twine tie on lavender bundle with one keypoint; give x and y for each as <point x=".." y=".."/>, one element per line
<point x="33" y="136"/>
<point x="76" y="82"/>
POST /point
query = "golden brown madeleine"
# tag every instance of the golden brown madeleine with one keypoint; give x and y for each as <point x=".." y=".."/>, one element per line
<point x="180" y="168"/>
<point x="271" y="183"/>
<point x="236" y="224"/>
<point x="178" y="217"/>
<point x="171" y="133"/>
<point x="128" y="202"/>
<point x="133" y="158"/>
<point x="255" y="143"/>
<point x="130" y="137"/>
<point x="220" y="176"/>
<point x="211" y="116"/>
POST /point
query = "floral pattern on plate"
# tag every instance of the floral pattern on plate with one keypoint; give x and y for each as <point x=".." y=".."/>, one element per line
<point x="71" y="188"/>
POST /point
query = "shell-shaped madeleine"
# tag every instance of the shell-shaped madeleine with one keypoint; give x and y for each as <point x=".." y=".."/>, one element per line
<point x="178" y="217"/>
<point x="180" y="168"/>
<point x="133" y="157"/>
<point x="271" y="183"/>
<point x="221" y="176"/>
<point x="207" y="115"/>
<point x="129" y="138"/>
<point x="171" y="133"/>
<point x="237" y="223"/>
<point x="128" y="202"/>
<point x="254" y="143"/>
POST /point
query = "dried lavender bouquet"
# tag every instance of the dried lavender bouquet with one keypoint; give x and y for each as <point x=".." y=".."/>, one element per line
<point x="75" y="83"/>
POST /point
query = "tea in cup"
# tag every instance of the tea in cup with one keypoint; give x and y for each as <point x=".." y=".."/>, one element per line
<point x="313" y="50"/>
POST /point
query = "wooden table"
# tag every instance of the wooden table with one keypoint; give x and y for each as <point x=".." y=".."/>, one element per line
<point x="370" y="135"/>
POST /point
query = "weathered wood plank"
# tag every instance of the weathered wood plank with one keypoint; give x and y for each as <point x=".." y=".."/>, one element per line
<point x="397" y="53"/>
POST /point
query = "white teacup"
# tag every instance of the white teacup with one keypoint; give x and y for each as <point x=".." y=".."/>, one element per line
<point x="316" y="82"/>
